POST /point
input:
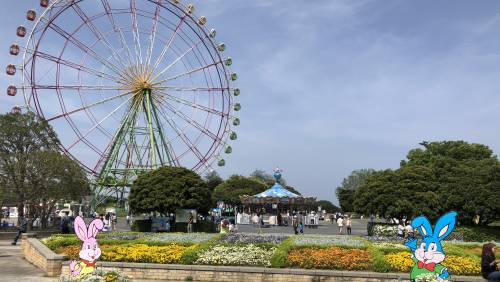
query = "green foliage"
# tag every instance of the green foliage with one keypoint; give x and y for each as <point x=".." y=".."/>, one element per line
<point x="36" y="173"/>
<point x="480" y="233"/>
<point x="141" y="225"/>
<point x="345" y="192"/>
<point x="213" y="179"/>
<point x="167" y="189"/>
<point x="444" y="176"/>
<point x="379" y="262"/>
<point x="279" y="259"/>
<point x="230" y="190"/>
<point x="327" y="206"/>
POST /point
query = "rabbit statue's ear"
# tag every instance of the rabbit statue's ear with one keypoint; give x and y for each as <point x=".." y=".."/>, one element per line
<point x="80" y="228"/>
<point x="445" y="225"/>
<point x="423" y="224"/>
<point x="95" y="226"/>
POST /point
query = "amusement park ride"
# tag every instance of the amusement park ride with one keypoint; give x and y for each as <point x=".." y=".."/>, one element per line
<point x="128" y="85"/>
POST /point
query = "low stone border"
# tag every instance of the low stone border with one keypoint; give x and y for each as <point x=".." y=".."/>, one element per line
<point x="174" y="272"/>
<point x="53" y="264"/>
<point x="40" y="255"/>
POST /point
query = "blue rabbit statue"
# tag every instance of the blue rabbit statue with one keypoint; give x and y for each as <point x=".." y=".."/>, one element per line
<point x="429" y="255"/>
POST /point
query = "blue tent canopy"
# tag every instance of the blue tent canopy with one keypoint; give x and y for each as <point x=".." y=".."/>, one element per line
<point x="277" y="191"/>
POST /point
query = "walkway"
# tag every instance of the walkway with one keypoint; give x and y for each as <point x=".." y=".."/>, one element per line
<point x="358" y="228"/>
<point x="15" y="268"/>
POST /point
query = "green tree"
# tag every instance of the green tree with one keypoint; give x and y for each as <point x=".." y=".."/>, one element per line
<point x="266" y="177"/>
<point x="167" y="189"/>
<point x="327" y="206"/>
<point x="213" y="179"/>
<point x="345" y="192"/>
<point x="230" y="190"/>
<point x="441" y="176"/>
<point x="21" y="135"/>
<point x="54" y="177"/>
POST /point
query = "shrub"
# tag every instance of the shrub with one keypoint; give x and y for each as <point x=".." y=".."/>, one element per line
<point x="330" y="258"/>
<point x="279" y="258"/>
<point x="141" y="225"/>
<point x="380" y="264"/>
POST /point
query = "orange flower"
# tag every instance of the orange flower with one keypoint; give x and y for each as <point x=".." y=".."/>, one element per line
<point x="330" y="258"/>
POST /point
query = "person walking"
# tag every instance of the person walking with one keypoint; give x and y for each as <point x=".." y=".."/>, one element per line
<point x="190" y="223"/>
<point x="340" y="223"/>
<point x="489" y="264"/>
<point x="301" y="223"/>
<point x="401" y="229"/>
<point x="23" y="227"/>
<point x="348" y="225"/>
<point x="65" y="220"/>
<point x="295" y="223"/>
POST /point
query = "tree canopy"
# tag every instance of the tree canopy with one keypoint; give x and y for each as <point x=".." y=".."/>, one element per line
<point x="327" y="206"/>
<point x="345" y="192"/>
<point x="441" y="176"/>
<point x="167" y="189"/>
<point x="213" y="179"/>
<point x="32" y="171"/>
<point x="231" y="189"/>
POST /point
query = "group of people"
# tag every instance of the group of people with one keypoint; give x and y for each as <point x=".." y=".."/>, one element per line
<point x="342" y="221"/>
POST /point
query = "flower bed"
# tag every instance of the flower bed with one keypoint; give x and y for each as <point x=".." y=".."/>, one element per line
<point x="457" y="265"/>
<point x="330" y="258"/>
<point x="133" y="253"/>
<point x="385" y="230"/>
<point x="144" y="253"/>
<point x="253" y="238"/>
<point x="250" y="255"/>
<point x="276" y="250"/>
<point x="329" y="240"/>
<point x="179" y="237"/>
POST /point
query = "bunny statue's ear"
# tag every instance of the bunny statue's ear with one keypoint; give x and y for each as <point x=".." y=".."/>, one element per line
<point x="95" y="226"/>
<point x="445" y="225"/>
<point x="423" y="224"/>
<point x="80" y="228"/>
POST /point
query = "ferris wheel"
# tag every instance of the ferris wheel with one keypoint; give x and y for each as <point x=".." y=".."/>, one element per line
<point x="128" y="85"/>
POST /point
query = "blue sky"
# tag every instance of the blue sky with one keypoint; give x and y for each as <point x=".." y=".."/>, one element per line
<point x="333" y="86"/>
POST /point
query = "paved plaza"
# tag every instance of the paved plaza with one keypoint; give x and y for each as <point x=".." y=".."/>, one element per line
<point x="326" y="228"/>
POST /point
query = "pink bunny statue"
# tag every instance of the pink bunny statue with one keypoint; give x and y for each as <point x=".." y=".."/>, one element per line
<point x="90" y="251"/>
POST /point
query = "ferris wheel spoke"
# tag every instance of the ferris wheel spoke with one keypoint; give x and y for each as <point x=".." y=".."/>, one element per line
<point x="137" y="39"/>
<point x="182" y="135"/>
<point x="167" y="46"/>
<point x="179" y="58"/>
<point x="191" y="104"/>
<point x="116" y="28"/>
<point x="99" y="123"/>
<point x="191" y="89"/>
<point x="84" y="47"/>
<point x="89" y="106"/>
<point x="75" y="87"/>
<point x="192" y="122"/>
<point x="152" y="37"/>
<point x="97" y="33"/>
<point x="74" y="65"/>
<point x="190" y="72"/>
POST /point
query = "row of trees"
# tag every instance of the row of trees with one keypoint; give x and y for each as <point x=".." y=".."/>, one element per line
<point x="170" y="188"/>
<point x="34" y="176"/>
<point x="441" y="176"/>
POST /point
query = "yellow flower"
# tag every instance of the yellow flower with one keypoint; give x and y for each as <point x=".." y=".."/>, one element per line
<point x="144" y="253"/>
<point x="400" y="261"/>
